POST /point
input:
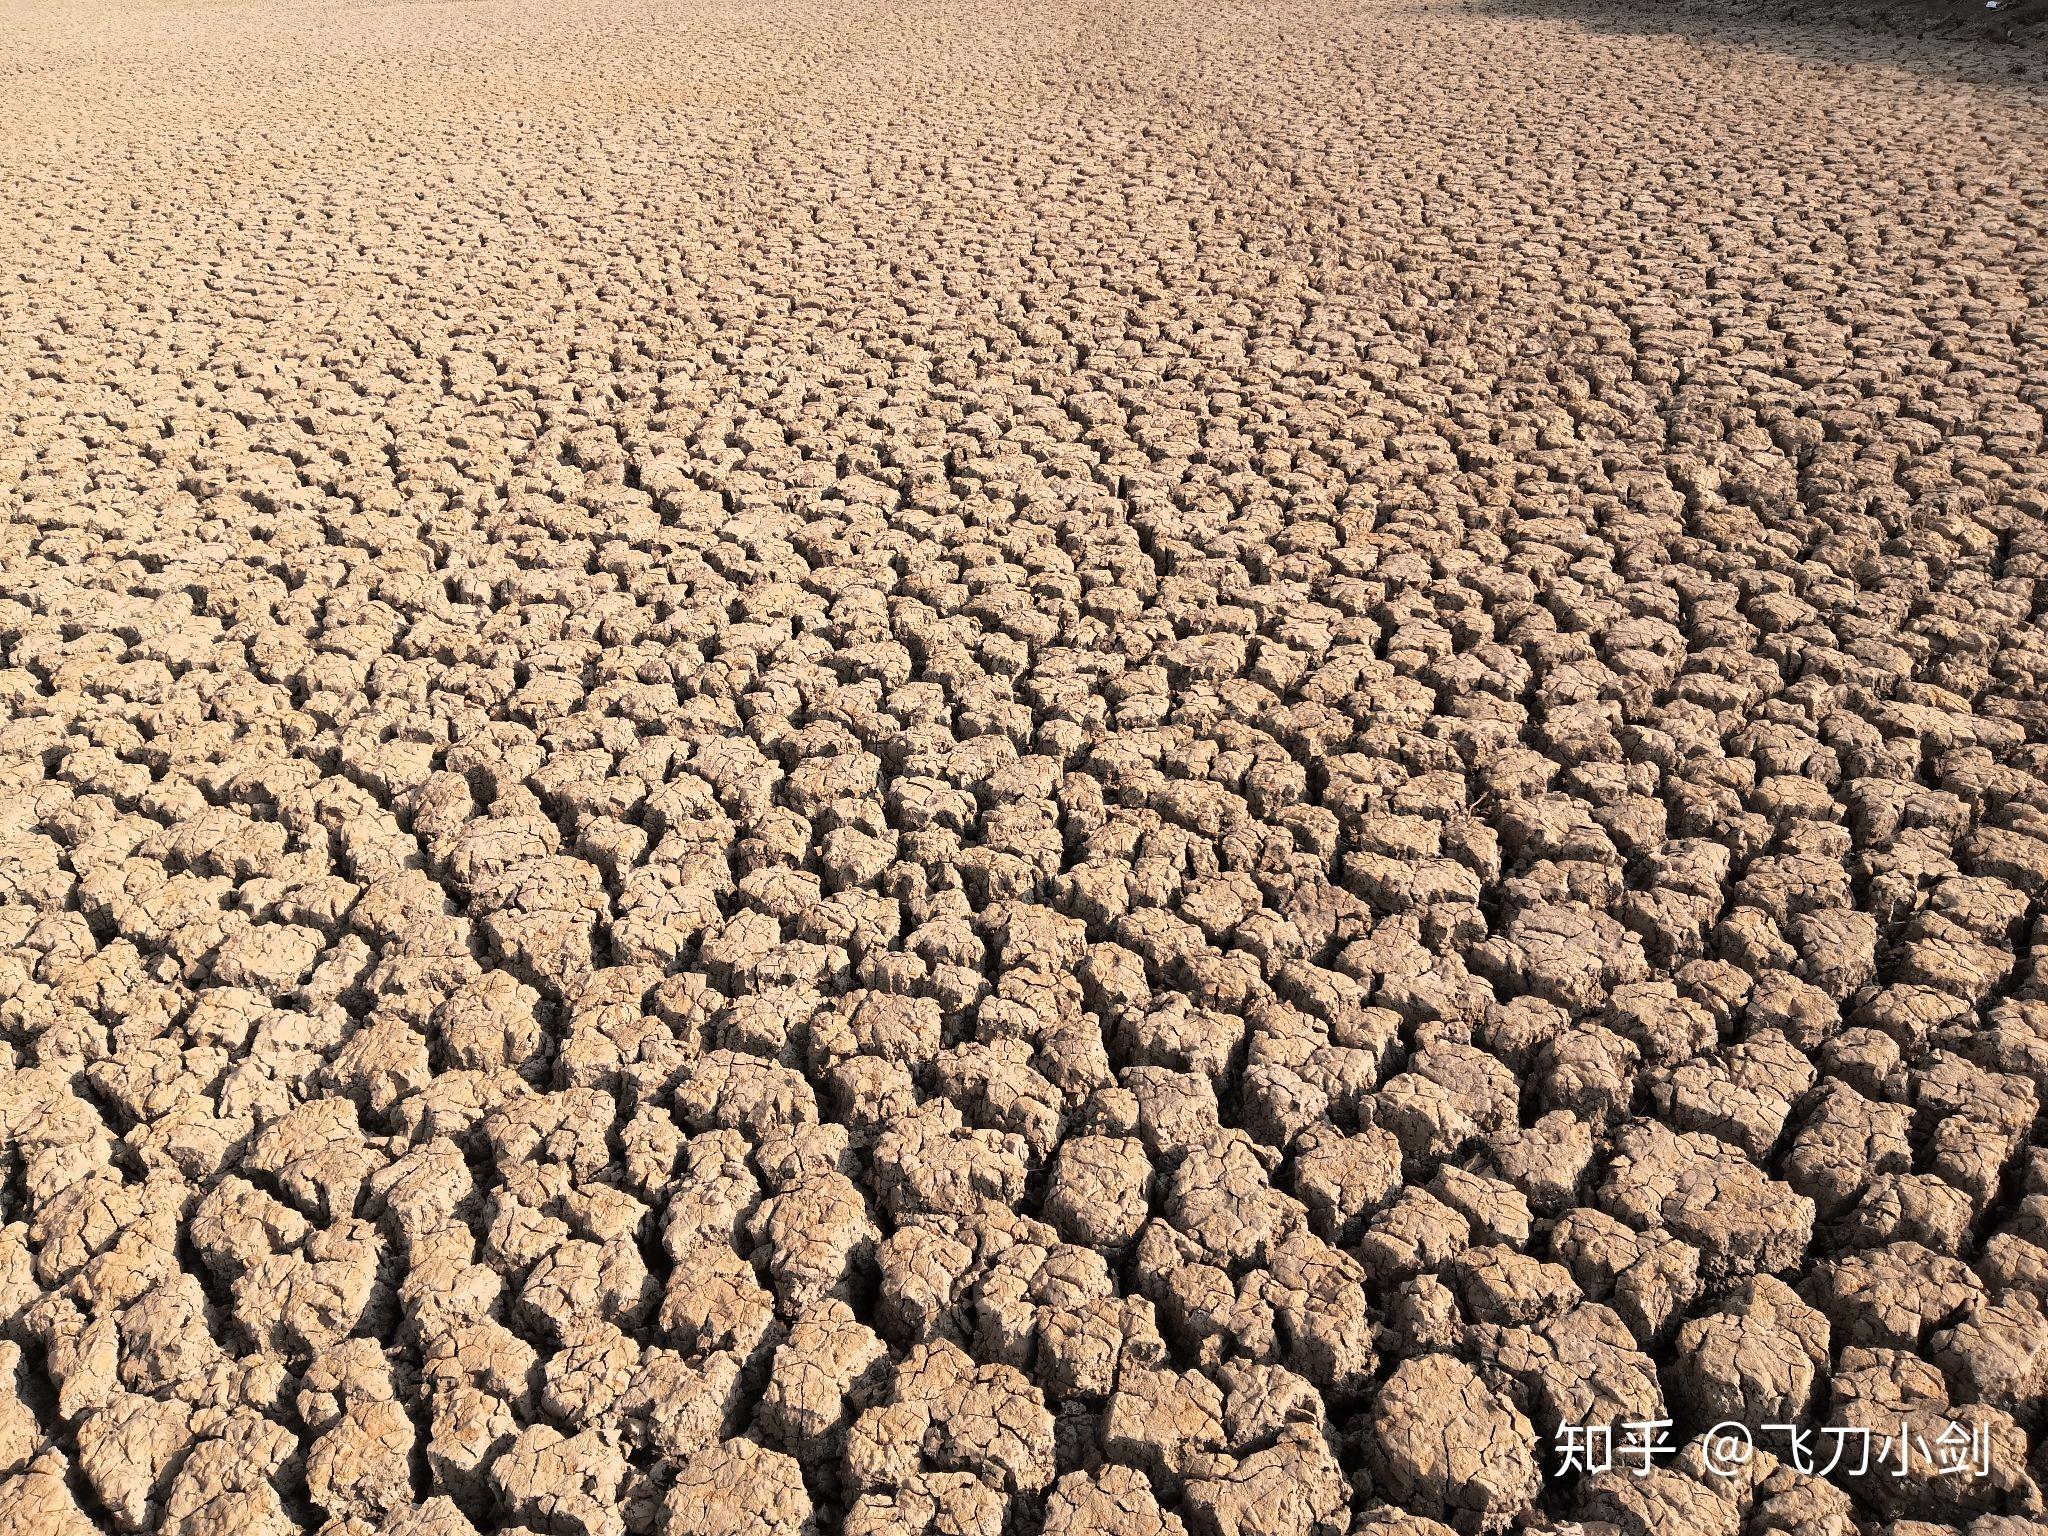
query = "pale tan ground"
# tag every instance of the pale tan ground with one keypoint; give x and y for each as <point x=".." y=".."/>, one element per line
<point x="1006" y="768"/>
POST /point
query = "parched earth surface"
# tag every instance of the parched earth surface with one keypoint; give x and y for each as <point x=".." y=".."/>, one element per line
<point x="1163" y="770"/>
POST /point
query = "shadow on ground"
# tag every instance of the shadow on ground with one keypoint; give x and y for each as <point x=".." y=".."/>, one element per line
<point x="1960" y="40"/>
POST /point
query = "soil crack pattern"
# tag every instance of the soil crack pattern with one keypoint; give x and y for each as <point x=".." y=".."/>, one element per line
<point x="1044" y="769"/>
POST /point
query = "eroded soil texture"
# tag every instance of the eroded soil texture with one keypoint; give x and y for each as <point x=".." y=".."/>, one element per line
<point x="994" y="769"/>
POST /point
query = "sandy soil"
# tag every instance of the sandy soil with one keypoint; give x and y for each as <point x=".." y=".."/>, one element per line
<point x="992" y="769"/>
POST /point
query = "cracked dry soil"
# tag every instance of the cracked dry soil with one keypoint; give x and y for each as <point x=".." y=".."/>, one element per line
<point x="1002" y="769"/>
